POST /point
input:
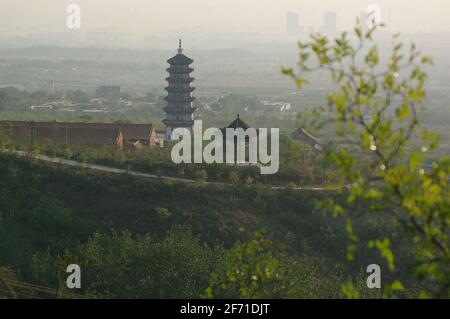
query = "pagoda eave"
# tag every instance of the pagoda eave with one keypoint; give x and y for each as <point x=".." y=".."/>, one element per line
<point x="174" y="80"/>
<point x="178" y="123"/>
<point x="179" y="100"/>
<point x="179" y="71"/>
<point x="169" y="109"/>
<point x="180" y="90"/>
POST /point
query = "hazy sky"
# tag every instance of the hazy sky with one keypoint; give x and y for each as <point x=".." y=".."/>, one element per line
<point x="151" y="16"/>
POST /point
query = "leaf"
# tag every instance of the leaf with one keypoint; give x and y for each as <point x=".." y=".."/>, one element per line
<point x="403" y="112"/>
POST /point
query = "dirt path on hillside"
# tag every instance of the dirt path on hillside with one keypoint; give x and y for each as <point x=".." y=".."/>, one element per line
<point x="113" y="170"/>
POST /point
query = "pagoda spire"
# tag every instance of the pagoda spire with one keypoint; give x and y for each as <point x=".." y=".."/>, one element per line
<point x="180" y="49"/>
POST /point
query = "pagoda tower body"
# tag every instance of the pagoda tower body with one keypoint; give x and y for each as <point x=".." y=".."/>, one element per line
<point x="179" y="100"/>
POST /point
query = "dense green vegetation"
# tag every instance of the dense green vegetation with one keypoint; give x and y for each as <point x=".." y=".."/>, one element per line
<point x="133" y="239"/>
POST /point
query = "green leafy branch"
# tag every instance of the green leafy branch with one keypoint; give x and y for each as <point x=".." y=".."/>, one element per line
<point x="376" y="106"/>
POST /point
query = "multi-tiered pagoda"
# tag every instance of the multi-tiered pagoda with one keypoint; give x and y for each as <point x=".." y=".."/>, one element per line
<point x="179" y="107"/>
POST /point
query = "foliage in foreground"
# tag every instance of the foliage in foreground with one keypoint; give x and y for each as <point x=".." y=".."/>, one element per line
<point x="376" y="107"/>
<point x="118" y="265"/>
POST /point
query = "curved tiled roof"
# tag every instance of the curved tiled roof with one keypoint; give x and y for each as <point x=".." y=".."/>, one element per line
<point x="304" y="135"/>
<point x="238" y="123"/>
<point x="180" y="59"/>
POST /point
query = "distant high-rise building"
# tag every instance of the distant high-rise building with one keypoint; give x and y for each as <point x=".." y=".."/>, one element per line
<point x="310" y="29"/>
<point x="330" y="23"/>
<point x="292" y="23"/>
<point x="50" y="87"/>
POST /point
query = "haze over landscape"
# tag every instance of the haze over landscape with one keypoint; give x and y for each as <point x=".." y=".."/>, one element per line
<point x="264" y="16"/>
<point x="87" y="173"/>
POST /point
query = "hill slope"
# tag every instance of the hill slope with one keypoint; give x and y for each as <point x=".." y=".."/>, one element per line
<point x="51" y="215"/>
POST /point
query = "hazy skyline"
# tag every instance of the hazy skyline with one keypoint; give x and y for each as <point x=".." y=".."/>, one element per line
<point x="265" y="16"/>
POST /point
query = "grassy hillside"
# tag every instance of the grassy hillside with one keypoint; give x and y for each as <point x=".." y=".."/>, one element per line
<point x="151" y="239"/>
